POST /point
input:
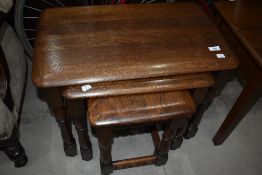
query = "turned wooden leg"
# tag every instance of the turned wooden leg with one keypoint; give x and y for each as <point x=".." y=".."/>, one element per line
<point x="16" y="154"/>
<point x="162" y="151"/>
<point x="245" y="101"/>
<point x="66" y="133"/>
<point x="192" y="127"/>
<point x="14" y="150"/>
<point x="57" y="105"/>
<point x="178" y="139"/>
<point x="83" y="138"/>
<point x="105" y="139"/>
<point x="77" y="112"/>
<point x="206" y="97"/>
<point x="191" y="130"/>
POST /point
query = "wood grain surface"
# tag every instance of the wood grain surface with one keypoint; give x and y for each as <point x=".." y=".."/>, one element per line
<point x="112" y="43"/>
<point x="140" y="108"/>
<point x="241" y="24"/>
<point x="149" y="85"/>
<point x="245" y="20"/>
<point x="241" y="14"/>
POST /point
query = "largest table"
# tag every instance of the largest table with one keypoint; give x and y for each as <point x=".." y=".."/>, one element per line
<point x="86" y="46"/>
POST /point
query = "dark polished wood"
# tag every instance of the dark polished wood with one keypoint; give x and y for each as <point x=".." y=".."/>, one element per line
<point x="203" y="98"/>
<point x="105" y="141"/>
<point x="241" y="23"/>
<point x="155" y="136"/>
<point x="249" y="96"/>
<point x="77" y="112"/>
<point x="164" y="146"/>
<point x="191" y="130"/>
<point x="199" y="95"/>
<point x="14" y="150"/>
<point x="244" y="20"/>
<point x="57" y="105"/>
<point x="115" y="48"/>
<point x="178" y="138"/>
<point x="134" y="162"/>
<point x="125" y="42"/>
<point x="108" y="113"/>
<point x="169" y="83"/>
<point x="139" y="108"/>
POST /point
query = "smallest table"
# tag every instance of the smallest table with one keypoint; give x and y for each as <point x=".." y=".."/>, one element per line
<point x="107" y="114"/>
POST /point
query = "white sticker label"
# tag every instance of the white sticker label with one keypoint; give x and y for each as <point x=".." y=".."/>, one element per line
<point x="214" y="48"/>
<point x="220" y="56"/>
<point x="86" y="87"/>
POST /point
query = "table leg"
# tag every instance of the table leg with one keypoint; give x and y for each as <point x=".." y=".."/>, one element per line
<point x="178" y="139"/>
<point x="14" y="150"/>
<point x="206" y="96"/>
<point x="56" y="104"/>
<point x="77" y="112"/>
<point x="168" y="135"/>
<point x="198" y="96"/>
<point x="105" y="139"/>
<point x="245" y="101"/>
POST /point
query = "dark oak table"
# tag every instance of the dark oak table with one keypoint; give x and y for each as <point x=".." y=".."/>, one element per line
<point x="126" y="49"/>
<point x="241" y="23"/>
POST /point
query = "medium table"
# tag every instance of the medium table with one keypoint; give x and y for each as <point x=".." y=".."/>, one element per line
<point x="133" y="48"/>
<point x="241" y="23"/>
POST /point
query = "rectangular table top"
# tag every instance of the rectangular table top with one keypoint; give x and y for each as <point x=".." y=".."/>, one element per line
<point x="121" y="42"/>
<point x="245" y="20"/>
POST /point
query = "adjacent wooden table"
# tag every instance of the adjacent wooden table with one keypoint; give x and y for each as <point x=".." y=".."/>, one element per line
<point x="102" y="45"/>
<point x="241" y="23"/>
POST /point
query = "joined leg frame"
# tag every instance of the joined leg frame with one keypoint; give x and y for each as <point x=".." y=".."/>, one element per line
<point x="160" y="156"/>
